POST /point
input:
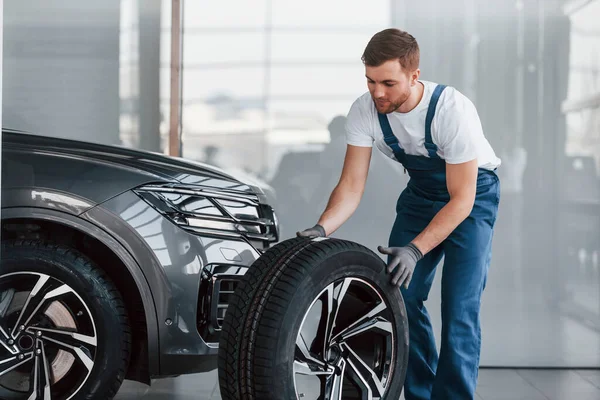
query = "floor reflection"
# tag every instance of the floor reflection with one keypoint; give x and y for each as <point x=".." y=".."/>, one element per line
<point x="493" y="384"/>
<point x="203" y="386"/>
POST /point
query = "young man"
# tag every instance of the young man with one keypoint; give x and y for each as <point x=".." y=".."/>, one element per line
<point x="448" y="208"/>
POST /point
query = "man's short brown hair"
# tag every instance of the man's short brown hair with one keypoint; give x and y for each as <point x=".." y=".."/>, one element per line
<point x="392" y="44"/>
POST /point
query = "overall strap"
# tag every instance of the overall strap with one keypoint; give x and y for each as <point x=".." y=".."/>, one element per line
<point x="388" y="136"/>
<point x="429" y="145"/>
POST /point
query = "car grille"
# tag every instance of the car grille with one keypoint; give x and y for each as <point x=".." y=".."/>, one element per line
<point x="216" y="292"/>
<point x="223" y="292"/>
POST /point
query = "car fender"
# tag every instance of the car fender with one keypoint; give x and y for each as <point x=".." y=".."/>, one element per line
<point x="120" y="251"/>
<point x="44" y="198"/>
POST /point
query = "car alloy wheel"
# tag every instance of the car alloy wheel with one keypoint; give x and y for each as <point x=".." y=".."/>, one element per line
<point x="64" y="328"/>
<point x="358" y="355"/>
<point x="47" y="336"/>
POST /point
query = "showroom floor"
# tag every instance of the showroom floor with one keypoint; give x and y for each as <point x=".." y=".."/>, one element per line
<point x="494" y="384"/>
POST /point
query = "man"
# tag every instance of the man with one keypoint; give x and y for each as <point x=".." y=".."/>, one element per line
<point x="448" y="208"/>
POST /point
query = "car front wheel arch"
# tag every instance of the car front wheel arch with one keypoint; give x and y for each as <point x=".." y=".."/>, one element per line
<point x="105" y="258"/>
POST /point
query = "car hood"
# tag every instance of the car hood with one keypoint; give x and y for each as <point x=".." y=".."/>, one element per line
<point x="149" y="165"/>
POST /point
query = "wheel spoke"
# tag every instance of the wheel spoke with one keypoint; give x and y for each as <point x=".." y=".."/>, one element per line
<point x="306" y="368"/>
<point x="41" y="375"/>
<point x="6" y="299"/>
<point x="64" y="289"/>
<point x="370" y="324"/>
<point x="34" y="384"/>
<point x="85" y="359"/>
<point x="43" y="279"/>
<point x="4" y="340"/>
<point x="306" y="355"/>
<point x="334" y="385"/>
<point x="363" y="375"/>
<point x="47" y="369"/>
<point x="334" y="295"/>
<point x="76" y="338"/>
<point x="368" y="318"/>
<point x="12" y="362"/>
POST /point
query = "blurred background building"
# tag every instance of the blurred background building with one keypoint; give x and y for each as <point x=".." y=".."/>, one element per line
<point x="265" y="85"/>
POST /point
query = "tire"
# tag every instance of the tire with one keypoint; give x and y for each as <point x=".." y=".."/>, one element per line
<point x="275" y="343"/>
<point x="62" y="313"/>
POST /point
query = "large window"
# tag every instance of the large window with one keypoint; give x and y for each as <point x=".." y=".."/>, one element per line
<point x="583" y="97"/>
<point x="261" y="81"/>
<point x="580" y="215"/>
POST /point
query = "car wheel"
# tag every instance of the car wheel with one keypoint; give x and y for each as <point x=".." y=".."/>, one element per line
<point x="64" y="331"/>
<point x="314" y="319"/>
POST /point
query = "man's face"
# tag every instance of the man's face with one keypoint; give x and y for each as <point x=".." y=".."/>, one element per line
<point x="390" y="85"/>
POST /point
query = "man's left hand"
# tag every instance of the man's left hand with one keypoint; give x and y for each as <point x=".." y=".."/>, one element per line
<point x="403" y="260"/>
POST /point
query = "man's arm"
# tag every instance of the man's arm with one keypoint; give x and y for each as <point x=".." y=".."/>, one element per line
<point x="347" y="194"/>
<point x="461" y="180"/>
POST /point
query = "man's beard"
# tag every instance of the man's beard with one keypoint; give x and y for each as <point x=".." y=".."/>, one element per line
<point x="391" y="106"/>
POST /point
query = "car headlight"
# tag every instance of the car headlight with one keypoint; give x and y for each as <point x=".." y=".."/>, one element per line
<point x="210" y="212"/>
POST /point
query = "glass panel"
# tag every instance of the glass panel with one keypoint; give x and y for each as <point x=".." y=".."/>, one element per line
<point x="584" y="56"/>
<point x="297" y="119"/>
<point x="583" y="134"/>
<point x="243" y="85"/>
<point x="233" y="14"/>
<point x="229" y="48"/>
<point x="129" y="35"/>
<point x="332" y="13"/>
<point x="315" y="81"/>
<point x="584" y="73"/>
<point x="222" y="101"/>
<point x="320" y="46"/>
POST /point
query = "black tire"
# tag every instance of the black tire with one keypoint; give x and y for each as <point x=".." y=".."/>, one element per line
<point x="283" y="288"/>
<point x="80" y="293"/>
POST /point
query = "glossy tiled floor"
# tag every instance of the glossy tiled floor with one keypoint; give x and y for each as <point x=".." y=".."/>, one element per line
<point x="494" y="384"/>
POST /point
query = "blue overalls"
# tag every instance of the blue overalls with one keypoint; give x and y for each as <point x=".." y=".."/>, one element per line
<point x="453" y="374"/>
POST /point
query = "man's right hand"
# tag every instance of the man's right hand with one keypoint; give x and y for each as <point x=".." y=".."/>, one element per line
<point x="315" y="231"/>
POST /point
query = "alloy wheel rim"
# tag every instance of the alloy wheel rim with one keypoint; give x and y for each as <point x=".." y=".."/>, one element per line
<point x="345" y="344"/>
<point x="48" y="338"/>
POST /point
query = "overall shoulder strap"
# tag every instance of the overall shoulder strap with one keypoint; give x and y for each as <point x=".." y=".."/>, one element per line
<point x="388" y="136"/>
<point x="429" y="145"/>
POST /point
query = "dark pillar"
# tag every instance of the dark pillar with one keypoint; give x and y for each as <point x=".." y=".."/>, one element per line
<point x="149" y="67"/>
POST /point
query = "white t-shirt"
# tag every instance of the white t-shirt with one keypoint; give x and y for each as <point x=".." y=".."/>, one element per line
<point x="455" y="129"/>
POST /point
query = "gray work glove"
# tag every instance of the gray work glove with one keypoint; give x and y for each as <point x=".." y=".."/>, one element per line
<point x="403" y="260"/>
<point x="315" y="231"/>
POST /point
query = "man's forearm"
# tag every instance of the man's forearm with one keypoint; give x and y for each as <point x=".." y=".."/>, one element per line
<point x="442" y="225"/>
<point x="342" y="204"/>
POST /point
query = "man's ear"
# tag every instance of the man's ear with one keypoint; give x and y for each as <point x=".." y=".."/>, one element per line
<point x="414" y="76"/>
